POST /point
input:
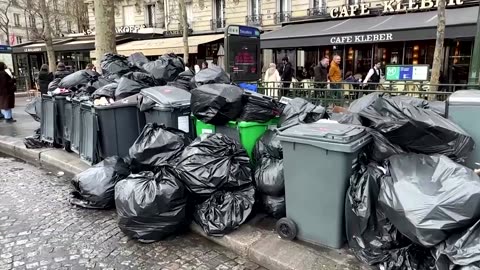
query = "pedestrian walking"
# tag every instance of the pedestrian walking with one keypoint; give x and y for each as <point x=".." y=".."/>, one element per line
<point x="272" y="80"/>
<point x="7" y="94"/>
<point x="61" y="71"/>
<point x="44" y="78"/>
<point x="287" y="74"/>
<point x="335" y="76"/>
<point x="321" y="73"/>
<point x="374" y="76"/>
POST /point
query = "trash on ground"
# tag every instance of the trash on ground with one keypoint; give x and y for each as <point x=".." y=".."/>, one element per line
<point x="268" y="156"/>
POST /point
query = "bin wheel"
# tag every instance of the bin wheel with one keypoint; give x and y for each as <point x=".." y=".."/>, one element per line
<point x="286" y="228"/>
<point x="68" y="146"/>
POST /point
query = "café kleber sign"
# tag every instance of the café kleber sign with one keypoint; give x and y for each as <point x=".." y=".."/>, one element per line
<point x="351" y="39"/>
<point x="388" y="7"/>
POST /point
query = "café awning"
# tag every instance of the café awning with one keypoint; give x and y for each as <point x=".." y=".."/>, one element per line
<point x="461" y="23"/>
<point x="162" y="46"/>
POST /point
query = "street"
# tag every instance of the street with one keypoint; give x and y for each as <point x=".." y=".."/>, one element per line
<point x="40" y="229"/>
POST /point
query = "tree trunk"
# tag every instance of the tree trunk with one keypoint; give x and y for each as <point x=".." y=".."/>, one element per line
<point x="105" y="41"/>
<point x="438" y="55"/>
<point x="7" y="32"/>
<point x="184" y="23"/>
<point x="52" y="61"/>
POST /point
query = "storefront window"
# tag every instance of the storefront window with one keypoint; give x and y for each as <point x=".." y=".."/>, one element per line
<point x="358" y="59"/>
<point x="389" y="53"/>
<point x="307" y="59"/>
<point x="459" y="61"/>
<point x="280" y="54"/>
<point x="418" y="53"/>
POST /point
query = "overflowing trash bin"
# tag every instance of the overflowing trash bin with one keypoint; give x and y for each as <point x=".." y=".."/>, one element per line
<point x="318" y="160"/>
<point x="76" y="126"/>
<point x="119" y="124"/>
<point x="88" y="133"/>
<point x="48" y="120"/>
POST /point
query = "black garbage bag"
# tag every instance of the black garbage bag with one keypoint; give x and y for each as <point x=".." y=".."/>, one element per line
<point x="371" y="236"/>
<point x="101" y="82"/>
<point x="217" y="103"/>
<point x="34" y="108"/>
<point x="362" y="103"/>
<point x="258" y="108"/>
<point x="132" y="83"/>
<point x="414" y="101"/>
<point x="157" y="145"/>
<point x="211" y="75"/>
<point x="299" y="110"/>
<point x="53" y="85"/>
<point x="166" y="68"/>
<point x="151" y="207"/>
<point x="114" y="64"/>
<point x="138" y="59"/>
<point x="107" y="91"/>
<point x="76" y="79"/>
<point x="438" y="106"/>
<point x="429" y="197"/>
<point x="350" y="118"/>
<point x="35" y="142"/>
<point x="225" y="211"/>
<point x="382" y="148"/>
<point x="418" y="130"/>
<point x="461" y="250"/>
<point x="213" y="162"/>
<point x="94" y="188"/>
<point x="274" y="206"/>
<point x="268" y="156"/>
<point x="183" y="80"/>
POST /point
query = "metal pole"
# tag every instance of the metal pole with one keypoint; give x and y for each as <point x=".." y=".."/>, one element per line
<point x="473" y="77"/>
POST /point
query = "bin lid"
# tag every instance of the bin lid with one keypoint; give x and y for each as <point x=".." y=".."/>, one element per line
<point x="330" y="136"/>
<point x="168" y="96"/>
<point x="465" y="97"/>
<point x="130" y="101"/>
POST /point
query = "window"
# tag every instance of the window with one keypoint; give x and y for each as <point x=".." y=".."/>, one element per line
<point x="69" y="26"/>
<point x="16" y="19"/>
<point x="128" y="15"/>
<point x="255" y="9"/>
<point x="33" y="22"/>
<point x="317" y="4"/>
<point x="220" y="9"/>
<point x="19" y="39"/>
<point x="150" y="15"/>
<point x="353" y="2"/>
<point x="283" y="6"/>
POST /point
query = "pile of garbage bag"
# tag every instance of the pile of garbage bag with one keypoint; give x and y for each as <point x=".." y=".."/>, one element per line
<point x="35" y="141"/>
<point x="216" y="170"/>
<point x="132" y="83"/>
<point x="166" y="68"/>
<point x="115" y="66"/>
<point x="299" y="110"/>
<point x="258" y="108"/>
<point x="138" y="59"/>
<point x="183" y="80"/>
<point x="210" y="75"/>
<point x="94" y="188"/>
<point x="269" y="177"/>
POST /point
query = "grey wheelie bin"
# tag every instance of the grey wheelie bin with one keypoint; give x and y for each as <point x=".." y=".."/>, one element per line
<point x="463" y="108"/>
<point x="67" y="125"/>
<point x="59" y="102"/>
<point x="169" y="106"/>
<point x="318" y="160"/>
<point x="48" y="120"/>
<point x="120" y="124"/>
<point x="88" y="133"/>
<point x="76" y="124"/>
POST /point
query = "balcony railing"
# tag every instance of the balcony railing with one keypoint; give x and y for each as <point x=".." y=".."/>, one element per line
<point x="318" y="11"/>
<point x="218" y="23"/>
<point x="281" y="17"/>
<point x="254" y="20"/>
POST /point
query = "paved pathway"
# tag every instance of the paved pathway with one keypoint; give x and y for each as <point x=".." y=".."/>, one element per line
<point x="39" y="229"/>
<point x="25" y="124"/>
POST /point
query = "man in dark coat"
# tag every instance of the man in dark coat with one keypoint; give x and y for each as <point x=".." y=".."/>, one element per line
<point x="287" y="75"/>
<point x="321" y="73"/>
<point x="61" y="71"/>
<point x="7" y="94"/>
<point x="44" y="79"/>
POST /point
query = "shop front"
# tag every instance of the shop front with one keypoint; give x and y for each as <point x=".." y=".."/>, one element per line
<point x="401" y="39"/>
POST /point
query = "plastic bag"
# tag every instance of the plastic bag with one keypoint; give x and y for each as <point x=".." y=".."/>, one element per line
<point x="362" y="103"/>
<point x="138" y="59"/>
<point x="225" y="211"/>
<point x="34" y="142"/>
<point x="77" y="79"/>
<point x="94" y="187"/>
<point x="258" y="108"/>
<point x="217" y="103"/>
<point x="151" y="207"/>
<point x="166" y="68"/>
<point x="211" y="75"/>
<point x="268" y="156"/>
<point x="429" y="197"/>
<point x="438" y="107"/>
<point x="274" y="206"/>
<point x="34" y="108"/>
<point x="414" y="101"/>
<point x="53" y="85"/>
<point x="371" y="236"/>
<point x="101" y="82"/>
<point x="298" y="110"/>
<point x="157" y="145"/>
<point x="183" y="80"/>
<point x="382" y="148"/>
<point x="114" y="64"/>
<point x="213" y="162"/>
<point x="132" y="83"/>
<point x="107" y="91"/>
<point x="460" y="251"/>
<point x="418" y="130"/>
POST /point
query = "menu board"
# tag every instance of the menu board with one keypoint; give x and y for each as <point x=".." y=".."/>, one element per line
<point x="407" y="72"/>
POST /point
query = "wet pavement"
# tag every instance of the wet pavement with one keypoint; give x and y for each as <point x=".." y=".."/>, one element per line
<point x="25" y="125"/>
<point x="40" y="229"/>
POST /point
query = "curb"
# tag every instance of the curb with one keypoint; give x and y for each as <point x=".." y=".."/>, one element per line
<point x="261" y="246"/>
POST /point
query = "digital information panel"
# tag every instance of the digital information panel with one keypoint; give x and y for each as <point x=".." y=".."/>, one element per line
<point x="407" y="72"/>
<point x="242" y="53"/>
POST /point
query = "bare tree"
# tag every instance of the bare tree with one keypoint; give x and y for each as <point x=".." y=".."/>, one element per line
<point x="47" y="33"/>
<point x="184" y="24"/>
<point x="5" y="6"/>
<point x="438" y="54"/>
<point x="105" y="41"/>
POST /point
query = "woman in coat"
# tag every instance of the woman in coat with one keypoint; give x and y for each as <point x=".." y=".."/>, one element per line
<point x="272" y="80"/>
<point x="44" y="78"/>
<point x="7" y="94"/>
<point x="61" y="71"/>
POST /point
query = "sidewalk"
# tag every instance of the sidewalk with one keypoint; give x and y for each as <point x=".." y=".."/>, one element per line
<point x="256" y="240"/>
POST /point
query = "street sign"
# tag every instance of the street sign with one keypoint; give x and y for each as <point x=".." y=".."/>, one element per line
<point x="5" y="48"/>
<point x="407" y="72"/>
<point x="244" y="31"/>
<point x="242" y="53"/>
